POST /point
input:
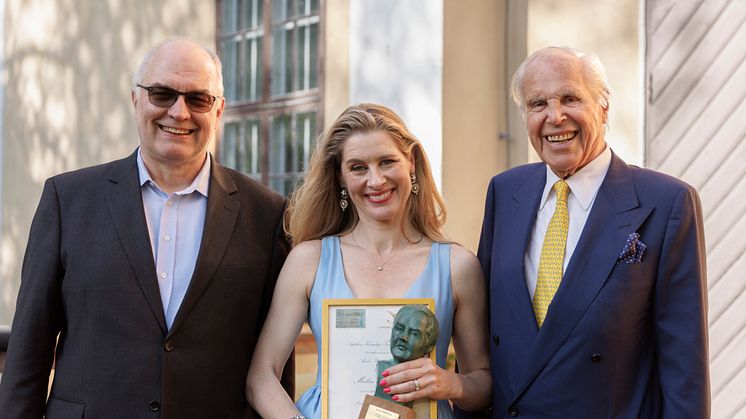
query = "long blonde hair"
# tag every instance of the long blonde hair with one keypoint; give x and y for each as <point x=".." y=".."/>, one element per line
<point x="314" y="210"/>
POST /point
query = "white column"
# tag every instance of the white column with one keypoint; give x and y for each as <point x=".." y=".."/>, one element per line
<point x="396" y="59"/>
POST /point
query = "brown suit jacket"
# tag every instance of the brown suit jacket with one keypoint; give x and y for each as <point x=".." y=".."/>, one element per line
<point x="89" y="277"/>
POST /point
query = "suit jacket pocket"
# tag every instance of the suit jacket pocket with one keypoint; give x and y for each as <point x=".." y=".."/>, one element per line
<point x="633" y="271"/>
<point x="630" y="277"/>
<point x="242" y="273"/>
<point x="64" y="409"/>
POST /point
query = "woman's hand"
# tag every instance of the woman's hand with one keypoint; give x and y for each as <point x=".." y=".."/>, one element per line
<point x="277" y="340"/>
<point x="420" y="378"/>
<point x="471" y="388"/>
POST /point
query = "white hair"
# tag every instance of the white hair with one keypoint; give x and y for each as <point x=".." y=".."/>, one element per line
<point x="595" y="74"/>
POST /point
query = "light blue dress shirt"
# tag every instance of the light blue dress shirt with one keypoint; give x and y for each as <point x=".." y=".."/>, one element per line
<point x="175" y="224"/>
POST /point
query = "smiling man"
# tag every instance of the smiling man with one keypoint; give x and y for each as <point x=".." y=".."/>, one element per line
<point x="147" y="280"/>
<point x="595" y="269"/>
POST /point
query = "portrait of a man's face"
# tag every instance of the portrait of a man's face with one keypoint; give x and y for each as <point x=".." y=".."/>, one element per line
<point x="413" y="334"/>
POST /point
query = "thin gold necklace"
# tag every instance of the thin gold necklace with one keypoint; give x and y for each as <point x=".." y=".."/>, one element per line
<point x="379" y="267"/>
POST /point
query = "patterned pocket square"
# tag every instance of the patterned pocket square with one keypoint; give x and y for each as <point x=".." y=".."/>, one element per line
<point x="632" y="250"/>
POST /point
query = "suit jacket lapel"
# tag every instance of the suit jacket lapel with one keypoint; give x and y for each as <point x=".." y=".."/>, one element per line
<point x="220" y="220"/>
<point x="526" y="200"/>
<point x="615" y="215"/>
<point x="510" y="252"/>
<point x="124" y="199"/>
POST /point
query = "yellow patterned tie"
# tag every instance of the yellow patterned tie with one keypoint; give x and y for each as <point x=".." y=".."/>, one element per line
<point x="552" y="254"/>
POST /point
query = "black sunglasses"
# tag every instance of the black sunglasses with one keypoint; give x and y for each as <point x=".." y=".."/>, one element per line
<point x="164" y="97"/>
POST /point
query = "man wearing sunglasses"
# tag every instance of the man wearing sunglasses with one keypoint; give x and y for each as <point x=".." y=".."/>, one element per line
<point x="146" y="280"/>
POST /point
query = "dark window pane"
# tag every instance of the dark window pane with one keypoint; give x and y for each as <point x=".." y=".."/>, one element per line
<point x="305" y="134"/>
<point x="229" y="58"/>
<point x="282" y="59"/>
<point x="281" y="9"/>
<point x="307" y="7"/>
<point x="280" y="140"/>
<point x="241" y="147"/>
<point x="228" y="147"/>
<point x="313" y="68"/>
<point x="307" y="54"/>
<point x="252" y="153"/>
<point x="251" y="13"/>
<point x="229" y="17"/>
<point x="282" y="185"/>
<point x="251" y="66"/>
<point x="278" y="186"/>
<point x="289" y="185"/>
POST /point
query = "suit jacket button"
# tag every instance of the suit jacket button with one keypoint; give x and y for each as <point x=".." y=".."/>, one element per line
<point x="496" y="339"/>
<point x="168" y="346"/>
<point x="154" y="406"/>
<point x="513" y="411"/>
<point x="596" y="357"/>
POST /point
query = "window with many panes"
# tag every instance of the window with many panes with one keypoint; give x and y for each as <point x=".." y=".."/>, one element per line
<point x="271" y="68"/>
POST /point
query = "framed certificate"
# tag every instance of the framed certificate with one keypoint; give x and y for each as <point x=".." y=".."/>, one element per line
<point x="356" y="335"/>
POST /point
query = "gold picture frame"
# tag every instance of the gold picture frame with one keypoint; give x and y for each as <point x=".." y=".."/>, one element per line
<point x="356" y="333"/>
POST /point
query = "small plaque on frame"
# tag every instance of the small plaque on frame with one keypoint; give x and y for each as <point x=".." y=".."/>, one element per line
<point x="375" y="408"/>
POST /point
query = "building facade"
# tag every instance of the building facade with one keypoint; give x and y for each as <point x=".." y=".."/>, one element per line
<point x="291" y="66"/>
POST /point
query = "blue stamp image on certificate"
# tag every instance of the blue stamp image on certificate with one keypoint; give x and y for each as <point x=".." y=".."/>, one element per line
<point x="350" y="318"/>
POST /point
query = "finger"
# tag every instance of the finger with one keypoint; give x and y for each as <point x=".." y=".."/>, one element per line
<point x="430" y="385"/>
<point x="419" y="386"/>
<point x="403" y="376"/>
<point x="413" y="394"/>
<point x="406" y="388"/>
<point x="415" y="363"/>
<point x="402" y="372"/>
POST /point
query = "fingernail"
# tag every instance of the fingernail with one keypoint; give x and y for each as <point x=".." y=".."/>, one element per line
<point x="385" y="374"/>
<point x="395" y="398"/>
<point x="382" y="383"/>
<point x="387" y="390"/>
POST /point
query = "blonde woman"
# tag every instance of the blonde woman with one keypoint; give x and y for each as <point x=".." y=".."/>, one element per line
<point x="367" y="223"/>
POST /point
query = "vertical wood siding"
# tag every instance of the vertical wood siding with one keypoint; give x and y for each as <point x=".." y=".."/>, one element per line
<point x="695" y="129"/>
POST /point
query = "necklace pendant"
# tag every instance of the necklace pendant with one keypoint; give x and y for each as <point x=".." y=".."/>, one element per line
<point x="380" y="268"/>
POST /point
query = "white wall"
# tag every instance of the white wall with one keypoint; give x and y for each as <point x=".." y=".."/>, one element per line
<point x="2" y="122"/>
<point x="67" y="67"/>
<point x="611" y="29"/>
<point x="396" y="59"/>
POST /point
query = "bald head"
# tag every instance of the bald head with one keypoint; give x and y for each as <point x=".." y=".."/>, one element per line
<point x="181" y="45"/>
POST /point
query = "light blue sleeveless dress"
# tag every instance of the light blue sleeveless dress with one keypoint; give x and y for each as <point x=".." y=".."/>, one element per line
<point x="433" y="282"/>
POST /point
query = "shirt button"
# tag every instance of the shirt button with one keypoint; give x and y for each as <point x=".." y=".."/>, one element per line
<point x="513" y="411"/>
<point x="596" y="357"/>
<point x="169" y="346"/>
<point x="170" y="203"/>
<point x="496" y="339"/>
<point x="154" y="406"/>
<point x="167" y="238"/>
<point x="164" y="275"/>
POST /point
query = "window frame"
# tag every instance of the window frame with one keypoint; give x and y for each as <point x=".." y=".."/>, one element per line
<point x="267" y="106"/>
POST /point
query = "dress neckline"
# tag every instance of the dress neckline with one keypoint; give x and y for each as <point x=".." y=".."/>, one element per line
<point x="430" y="256"/>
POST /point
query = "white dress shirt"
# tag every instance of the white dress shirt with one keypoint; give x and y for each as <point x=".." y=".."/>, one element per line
<point x="175" y="224"/>
<point x="584" y="185"/>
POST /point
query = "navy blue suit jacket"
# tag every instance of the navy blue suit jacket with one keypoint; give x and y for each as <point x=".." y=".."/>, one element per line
<point x="621" y="340"/>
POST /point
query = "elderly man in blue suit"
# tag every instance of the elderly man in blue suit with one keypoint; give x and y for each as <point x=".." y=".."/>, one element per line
<point x="596" y="269"/>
